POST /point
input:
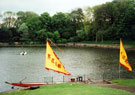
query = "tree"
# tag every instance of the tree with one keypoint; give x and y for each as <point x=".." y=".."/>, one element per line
<point x="41" y="35"/>
<point x="124" y="20"/>
<point x="23" y="17"/>
<point x="88" y="15"/>
<point x="34" y="25"/>
<point x="80" y="35"/>
<point x="88" y="23"/>
<point x="9" y="19"/>
<point x="5" y="35"/>
<point x="56" y="36"/>
<point x="77" y="17"/>
<point x="46" y="21"/>
<point x="0" y="20"/>
<point x="62" y="23"/>
<point x="23" y="31"/>
<point x="50" y="35"/>
<point x="103" y="18"/>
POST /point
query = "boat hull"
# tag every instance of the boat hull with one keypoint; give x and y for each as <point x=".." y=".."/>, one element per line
<point x="26" y="84"/>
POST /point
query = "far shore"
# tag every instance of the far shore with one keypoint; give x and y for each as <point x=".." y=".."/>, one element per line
<point x="105" y="46"/>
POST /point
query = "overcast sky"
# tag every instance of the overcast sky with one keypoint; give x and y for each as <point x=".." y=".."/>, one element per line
<point x="50" y="6"/>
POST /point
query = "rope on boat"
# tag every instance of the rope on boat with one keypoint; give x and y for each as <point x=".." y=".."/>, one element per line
<point x="55" y="45"/>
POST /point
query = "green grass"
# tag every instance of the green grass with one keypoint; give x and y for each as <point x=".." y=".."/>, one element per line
<point x="69" y="89"/>
<point x="129" y="82"/>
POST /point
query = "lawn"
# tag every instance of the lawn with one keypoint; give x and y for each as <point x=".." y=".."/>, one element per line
<point x="69" y="89"/>
<point x="128" y="82"/>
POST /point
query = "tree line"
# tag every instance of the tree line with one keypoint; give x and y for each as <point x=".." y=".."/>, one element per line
<point x="109" y="21"/>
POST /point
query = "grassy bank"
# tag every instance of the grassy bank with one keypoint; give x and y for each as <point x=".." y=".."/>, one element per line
<point x="69" y="89"/>
<point x="129" y="82"/>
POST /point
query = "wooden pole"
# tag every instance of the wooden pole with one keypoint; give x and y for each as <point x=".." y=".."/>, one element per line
<point x="52" y="80"/>
<point x="119" y="62"/>
<point x="63" y="79"/>
<point x="119" y="70"/>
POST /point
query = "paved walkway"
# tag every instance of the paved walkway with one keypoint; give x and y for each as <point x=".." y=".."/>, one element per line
<point x="129" y="89"/>
<point x="109" y="85"/>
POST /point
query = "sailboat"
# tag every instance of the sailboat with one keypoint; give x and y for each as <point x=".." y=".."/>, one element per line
<point x="53" y="62"/>
<point x="123" y="57"/>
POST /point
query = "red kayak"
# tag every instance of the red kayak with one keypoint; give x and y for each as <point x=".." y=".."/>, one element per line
<point x="26" y="84"/>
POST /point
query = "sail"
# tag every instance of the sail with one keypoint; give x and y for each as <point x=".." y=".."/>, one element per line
<point x="123" y="57"/>
<point x="53" y="62"/>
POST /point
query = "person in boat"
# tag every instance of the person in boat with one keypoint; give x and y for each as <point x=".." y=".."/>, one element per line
<point x="23" y="53"/>
<point x="20" y="82"/>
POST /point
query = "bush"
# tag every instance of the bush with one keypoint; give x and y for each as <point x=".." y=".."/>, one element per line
<point x="64" y="40"/>
<point x="71" y="39"/>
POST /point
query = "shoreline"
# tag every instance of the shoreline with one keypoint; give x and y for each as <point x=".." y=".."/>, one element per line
<point x="78" y="45"/>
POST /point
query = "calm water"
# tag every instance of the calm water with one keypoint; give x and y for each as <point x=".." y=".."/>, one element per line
<point x="94" y="63"/>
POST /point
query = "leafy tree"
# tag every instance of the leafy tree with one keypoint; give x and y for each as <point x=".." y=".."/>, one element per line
<point x="109" y="21"/>
<point x="9" y="19"/>
<point x="41" y="35"/>
<point x="34" y="25"/>
<point x="77" y="17"/>
<point x="124" y="20"/>
<point x="50" y="35"/>
<point x="46" y="21"/>
<point x="103" y="18"/>
<point x="88" y="23"/>
<point x="15" y="37"/>
<point x="23" y="17"/>
<point x="56" y="36"/>
<point x="62" y="23"/>
<point x="5" y="35"/>
<point x="23" y="30"/>
<point x="0" y="20"/>
<point x="80" y="35"/>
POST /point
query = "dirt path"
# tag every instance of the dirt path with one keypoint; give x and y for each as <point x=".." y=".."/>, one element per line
<point x="129" y="89"/>
<point x="126" y="88"/>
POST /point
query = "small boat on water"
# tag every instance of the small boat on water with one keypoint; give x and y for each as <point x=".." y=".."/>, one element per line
<point x="52" y="63"/>
<point x="23" y="53"/>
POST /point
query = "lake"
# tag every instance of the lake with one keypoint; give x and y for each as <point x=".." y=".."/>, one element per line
<point x="88" y="62"/>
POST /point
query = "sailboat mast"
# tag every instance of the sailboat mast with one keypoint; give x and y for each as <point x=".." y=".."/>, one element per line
<point x="119" y="71"/>
<point x="119" y="63"/>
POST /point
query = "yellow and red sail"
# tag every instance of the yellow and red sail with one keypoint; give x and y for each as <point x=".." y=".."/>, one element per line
<point x="53" y="62"/>
<point x="123" y="57"/>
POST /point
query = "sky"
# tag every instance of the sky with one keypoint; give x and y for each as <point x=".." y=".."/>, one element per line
<point x="50" y="6"/>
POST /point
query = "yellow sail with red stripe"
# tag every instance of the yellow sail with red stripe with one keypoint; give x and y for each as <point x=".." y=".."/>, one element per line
<point x="123" y="57"/>
<point x="53" y="62"/>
